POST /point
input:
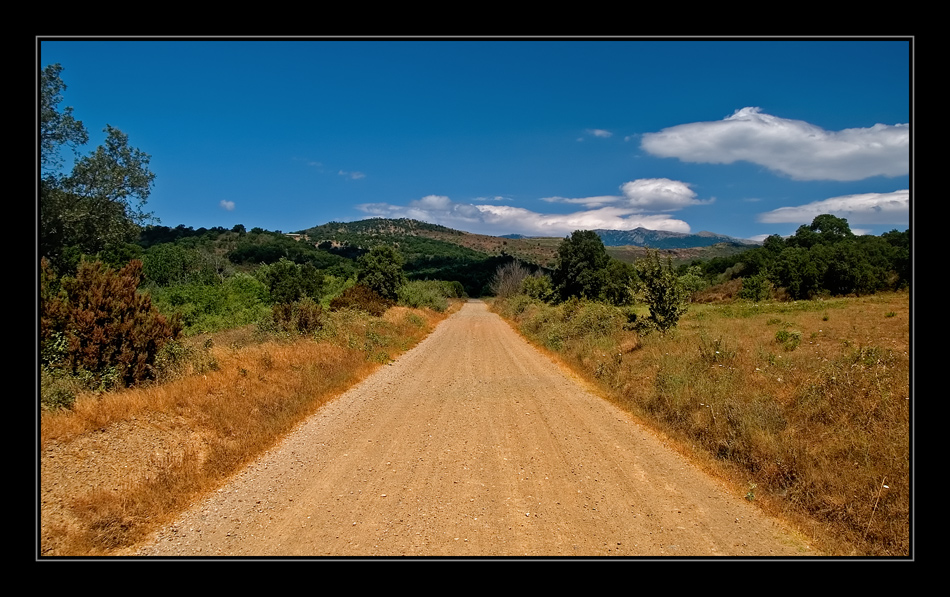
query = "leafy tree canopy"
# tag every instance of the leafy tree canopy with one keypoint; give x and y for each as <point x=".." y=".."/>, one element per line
<point x="582" y="263"/>
<point x="100" y="203"/>
<point x="381" y="270"/>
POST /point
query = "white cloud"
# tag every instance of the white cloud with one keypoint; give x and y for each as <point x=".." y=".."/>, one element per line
<point x="504" y="219"/>
<point x="599" y="133"/>
<point x="591" y="202"/>
<point x="866" y="209"/>
<point x="528" y="222"/>
<point x="643" y="194"/>
<point x="659" y="194"/>
<point x="352" y="175"/>
<point x="792" y="147"/>
<point x="227" y="205"/>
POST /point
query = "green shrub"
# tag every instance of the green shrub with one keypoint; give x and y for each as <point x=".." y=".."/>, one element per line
<point x="664" y="294"/>
<point x="756" y="288"/>
<point x="538" y="287"/>
<point x="789" y="339"/>
<point x="288" y="282"/>
<point x="239" y="300"/>
<point x="57" y="391"/>
<point x="429" y="294"/>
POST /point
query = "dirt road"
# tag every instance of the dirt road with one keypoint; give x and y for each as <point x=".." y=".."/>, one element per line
<point x="472" y="444"/>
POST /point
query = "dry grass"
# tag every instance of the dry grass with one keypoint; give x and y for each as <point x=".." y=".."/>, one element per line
<point x="149" y="452"/>
<point x="804" y="406"/>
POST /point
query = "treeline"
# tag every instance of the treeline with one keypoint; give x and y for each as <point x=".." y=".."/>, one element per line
<point x="824" y="258"/>
<point x="821" y="258"/>
<point x="585" y="273"/>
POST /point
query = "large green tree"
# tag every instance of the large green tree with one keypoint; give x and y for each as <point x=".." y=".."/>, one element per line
<point x="581" y="268"/>
<point x="381" y="269"/>
<point x="99" y="204"/>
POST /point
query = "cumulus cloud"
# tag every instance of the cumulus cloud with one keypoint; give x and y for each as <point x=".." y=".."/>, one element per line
<point x="504" y="219"/>
<point x="599" y="133"/>
<point x="795" y="148"/>
<point x="437" y="209"/>
<point x="227" y="205"/>
<point x="528" y="222"/>
<point x="864" y="209"/>
<point x="659" y="194"/>
<point x="643" y="194"/>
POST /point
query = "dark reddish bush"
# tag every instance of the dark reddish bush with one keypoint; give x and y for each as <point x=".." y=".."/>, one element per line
<point x="302" y="316"/>
<point x="102" y="323"/>
<point x="363" y="298"/>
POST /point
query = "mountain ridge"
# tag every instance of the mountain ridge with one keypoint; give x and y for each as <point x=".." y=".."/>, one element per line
<point x="659" y="239"/>
<point x="541" y="250"/>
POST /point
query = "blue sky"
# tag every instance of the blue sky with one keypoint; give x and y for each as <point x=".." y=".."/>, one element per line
<point x="739" y="137"/>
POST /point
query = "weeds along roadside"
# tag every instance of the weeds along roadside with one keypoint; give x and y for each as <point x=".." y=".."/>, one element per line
<point x="804" y="406"/>
<point x="236" y="395"/>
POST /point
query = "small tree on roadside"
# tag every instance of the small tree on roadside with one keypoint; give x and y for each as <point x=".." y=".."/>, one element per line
<point x="664" y="294"/>
<point x="508" y="279"/>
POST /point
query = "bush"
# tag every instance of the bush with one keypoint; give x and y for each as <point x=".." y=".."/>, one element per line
<point x="57" y="391"/>
<point x="239" y="300"/>
<point x="288" y="282"/>
<point x="363" y="298"/>
<point x="538" y="287"/>
<point x="429" y="294"/>
<point x="789" y="339"/>
<point x="508" y="279"/>
<point x="756" y="288"/>
<point x="97" y="323"/>
<point x="304" y="316"/>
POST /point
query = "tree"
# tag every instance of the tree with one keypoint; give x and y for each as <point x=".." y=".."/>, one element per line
<point x="99" y="204"/>
<point x="799" y="271"/>
<point x="288" y="282"/>
<point x="581" y="267"/>
<point x="57" y="128"/>
<point x="664" y="294"/>
<point x="381" y="271"/>
<point x="831" y="229"/>
<point x="620" y="278"/>
<point x="508" y="279"/>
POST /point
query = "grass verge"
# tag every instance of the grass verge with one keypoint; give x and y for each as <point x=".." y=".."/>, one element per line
<point x="804" y="407"/>
<point x="120" y="464"/>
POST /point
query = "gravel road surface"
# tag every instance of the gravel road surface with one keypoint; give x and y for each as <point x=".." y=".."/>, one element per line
<point x="473" y="444"/>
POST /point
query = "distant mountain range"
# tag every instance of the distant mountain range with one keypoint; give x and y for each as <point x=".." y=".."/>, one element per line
<point x="626" y="245"/>
<point x="661" y="239"/>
